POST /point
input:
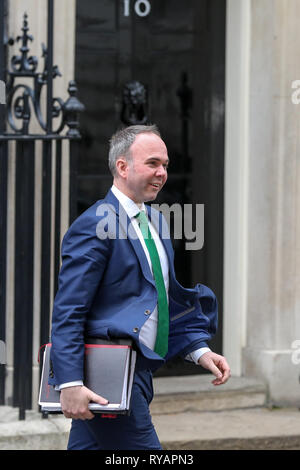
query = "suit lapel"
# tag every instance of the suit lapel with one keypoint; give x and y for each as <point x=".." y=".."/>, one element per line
<point x="124" y="230"/>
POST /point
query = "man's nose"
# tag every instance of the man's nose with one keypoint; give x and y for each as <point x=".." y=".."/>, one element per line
<point x="161" y="171"/>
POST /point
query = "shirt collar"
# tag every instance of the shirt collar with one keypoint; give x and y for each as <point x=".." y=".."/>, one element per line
<point x="130" y="207"/>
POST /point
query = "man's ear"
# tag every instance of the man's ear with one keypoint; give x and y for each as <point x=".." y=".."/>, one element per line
<point x="121" y="167"/>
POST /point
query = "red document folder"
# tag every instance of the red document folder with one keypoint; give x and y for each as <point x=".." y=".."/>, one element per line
<point x="109" y="371"/>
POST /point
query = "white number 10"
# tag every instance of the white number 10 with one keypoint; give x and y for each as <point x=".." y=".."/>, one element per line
<point x="137" y="7"/>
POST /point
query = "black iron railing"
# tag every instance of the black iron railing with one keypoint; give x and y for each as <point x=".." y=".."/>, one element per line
<point x="24" y="91"/>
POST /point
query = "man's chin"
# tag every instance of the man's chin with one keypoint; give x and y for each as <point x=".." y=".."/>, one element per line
<point x="152" y="197"/>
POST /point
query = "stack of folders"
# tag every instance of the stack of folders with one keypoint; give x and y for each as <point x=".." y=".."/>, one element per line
<point x="109" y="371"/>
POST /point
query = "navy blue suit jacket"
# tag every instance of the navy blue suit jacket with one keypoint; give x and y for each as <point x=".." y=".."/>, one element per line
<point x="106" y="289"/>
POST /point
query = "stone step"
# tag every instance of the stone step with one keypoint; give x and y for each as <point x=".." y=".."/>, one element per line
<point x="196" y="393"/>
<point x="188" y="412"/>
<point x="243" y="429"/>
<point x="247" y="428"/>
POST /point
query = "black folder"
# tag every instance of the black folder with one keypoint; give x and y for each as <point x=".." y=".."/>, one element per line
<point x="108" y="371"/>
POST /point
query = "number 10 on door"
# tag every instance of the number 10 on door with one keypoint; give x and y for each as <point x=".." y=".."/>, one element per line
<point x="141" y="7"/>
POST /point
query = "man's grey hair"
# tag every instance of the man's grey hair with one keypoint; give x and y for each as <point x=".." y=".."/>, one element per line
<point x="122" y="140"/>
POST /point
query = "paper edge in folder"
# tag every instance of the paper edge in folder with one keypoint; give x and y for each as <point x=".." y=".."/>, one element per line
<point x="123" y="407"/>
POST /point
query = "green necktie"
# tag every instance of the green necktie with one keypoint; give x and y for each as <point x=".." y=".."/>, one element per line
<point x="161" y="344"/>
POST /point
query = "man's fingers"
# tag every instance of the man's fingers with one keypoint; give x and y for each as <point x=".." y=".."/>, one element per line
<point x="214" y="370"/>
<point x="98" y="399"/>
<point x="75" y="401"/>
<point x="210" y="365"/>
<point x="224" y="372"/>
<point x="224" y="367"/>
<point x="81" y="413"/>
<point x="217" y="365"/>
<point x="84" y="414"/>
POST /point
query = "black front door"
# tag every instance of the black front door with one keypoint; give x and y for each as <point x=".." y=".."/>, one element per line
<point x="162" y="62"/>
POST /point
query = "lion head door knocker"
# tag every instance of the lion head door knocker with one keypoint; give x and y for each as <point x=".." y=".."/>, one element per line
<point x="134" y="104"/>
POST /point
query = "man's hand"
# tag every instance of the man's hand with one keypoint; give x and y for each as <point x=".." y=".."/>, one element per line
<point x="75" y="400"/>
<point x="217" y="365"/>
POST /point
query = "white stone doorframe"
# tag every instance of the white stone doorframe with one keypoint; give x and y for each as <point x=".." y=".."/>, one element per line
<point x="236" y="179"/>
<point x="262" y="196"/>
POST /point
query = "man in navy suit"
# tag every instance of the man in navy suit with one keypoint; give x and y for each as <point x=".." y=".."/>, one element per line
<point x="107" y="289"/>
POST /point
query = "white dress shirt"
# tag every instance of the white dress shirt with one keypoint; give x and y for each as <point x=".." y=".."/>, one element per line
<point x="148" y="331"/>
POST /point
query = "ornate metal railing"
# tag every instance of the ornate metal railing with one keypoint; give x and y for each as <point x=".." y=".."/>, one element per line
<point x="18" y="107"/>
<point x="23" y="122"/>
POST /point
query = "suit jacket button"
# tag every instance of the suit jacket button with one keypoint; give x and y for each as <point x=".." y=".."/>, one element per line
<point x="147" y="312"/>
<point x="135" y="330"/>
